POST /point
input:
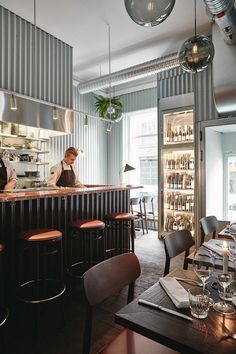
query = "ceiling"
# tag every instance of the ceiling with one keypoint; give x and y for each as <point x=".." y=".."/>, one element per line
<point x="83" y="25"/>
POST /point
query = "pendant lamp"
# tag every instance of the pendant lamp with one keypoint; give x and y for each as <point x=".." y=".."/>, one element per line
<point x="113" y="112"/>
<point x="149" y="13"/>
<point x="197" y="52"/>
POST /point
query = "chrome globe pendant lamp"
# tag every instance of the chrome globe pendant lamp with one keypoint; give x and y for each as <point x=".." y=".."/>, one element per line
<point x="113" y="112"/>
<point x="149" y="13"/>
<point x="197" y="52"/>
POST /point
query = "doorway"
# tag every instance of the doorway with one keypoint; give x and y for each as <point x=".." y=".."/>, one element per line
<point x="218" y="153"/>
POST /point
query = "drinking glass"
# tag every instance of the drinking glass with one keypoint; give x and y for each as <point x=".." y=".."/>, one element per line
<point x="199" y="302"/>
<point x="224" y="279"/>
<point x="202" y="264"/>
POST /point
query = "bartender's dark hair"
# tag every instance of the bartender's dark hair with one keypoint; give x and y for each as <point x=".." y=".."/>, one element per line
<point x="71" y="150"/>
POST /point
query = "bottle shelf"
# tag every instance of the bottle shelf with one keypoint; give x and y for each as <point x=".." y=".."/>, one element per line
<point x="178" y="170"/>
<point x="191" y="190"/>
<point x="179" y="211"/>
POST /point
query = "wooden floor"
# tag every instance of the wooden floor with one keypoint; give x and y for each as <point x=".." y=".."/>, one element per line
<point x="56" y="338"/>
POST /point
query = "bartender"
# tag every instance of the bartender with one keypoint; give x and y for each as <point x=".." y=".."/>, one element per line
<point x="64" y="173"/>
<point x="7" y="175"/>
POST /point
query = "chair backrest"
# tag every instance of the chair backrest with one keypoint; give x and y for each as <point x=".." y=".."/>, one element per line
<point x="104" y="280"/>
<point x="133" y="202"/>
<point x="176" y="243"/>
<point x="208" y="225"/>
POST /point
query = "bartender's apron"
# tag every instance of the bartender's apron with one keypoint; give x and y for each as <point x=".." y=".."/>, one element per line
<point x="3" y="175"/>
<point x="67" y="178"/>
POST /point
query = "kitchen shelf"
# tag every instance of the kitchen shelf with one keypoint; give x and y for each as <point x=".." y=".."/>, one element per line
<point x="31" y="163"/>
<point x="5" y="135"/>
<point x="23" y="149"/>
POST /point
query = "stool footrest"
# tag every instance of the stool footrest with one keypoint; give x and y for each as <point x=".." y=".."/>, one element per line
<point x="4" y="313"/>
<point x="41" y="290"/>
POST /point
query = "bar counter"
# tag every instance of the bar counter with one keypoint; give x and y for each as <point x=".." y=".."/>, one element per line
<point x="57" y="208"/>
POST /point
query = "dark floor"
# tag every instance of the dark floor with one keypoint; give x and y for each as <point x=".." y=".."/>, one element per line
<point x="54" y="338"/>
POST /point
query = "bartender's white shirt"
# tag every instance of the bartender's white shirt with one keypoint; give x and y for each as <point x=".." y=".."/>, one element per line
<point x="56" y="170"/>
<point x="11" y="174"/>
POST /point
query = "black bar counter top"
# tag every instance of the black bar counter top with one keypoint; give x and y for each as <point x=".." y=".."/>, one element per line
<point x="46" y="192"/>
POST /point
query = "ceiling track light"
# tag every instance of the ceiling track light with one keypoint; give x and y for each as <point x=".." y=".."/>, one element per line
<point x="86" y="120"/>
<point x="13" y="103"/>
<point x="55" y="113"/>
<point x="109" y="127"/>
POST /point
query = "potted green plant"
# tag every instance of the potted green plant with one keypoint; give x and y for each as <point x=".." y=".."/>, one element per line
<point x="109" y="108"/>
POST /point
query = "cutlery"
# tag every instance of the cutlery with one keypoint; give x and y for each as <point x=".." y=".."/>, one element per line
<point x="189" y="281"/>
<point x="164" y="309"/>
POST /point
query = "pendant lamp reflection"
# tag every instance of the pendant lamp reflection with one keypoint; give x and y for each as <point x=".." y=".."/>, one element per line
<point x="55" y="113"/>
<point x="149" y="13"/>
<point x="13" y="103"/>
<point x="197" y="52"/>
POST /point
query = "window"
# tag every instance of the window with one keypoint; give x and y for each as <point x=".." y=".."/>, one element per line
<point x="142" y="152"/>
<point x="148" y="171"/>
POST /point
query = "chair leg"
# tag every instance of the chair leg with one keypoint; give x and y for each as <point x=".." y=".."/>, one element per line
<point x="132" y="235"/>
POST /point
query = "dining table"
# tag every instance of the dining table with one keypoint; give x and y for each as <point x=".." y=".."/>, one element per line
<point x="213" y="334"/>
<point x="225" y="233"/>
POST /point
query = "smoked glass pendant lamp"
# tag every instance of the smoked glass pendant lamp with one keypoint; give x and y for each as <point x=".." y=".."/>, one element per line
<point x="149" y="13"/>
<point x="197" y="52"/>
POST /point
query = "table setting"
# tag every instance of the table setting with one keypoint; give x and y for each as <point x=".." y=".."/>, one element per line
<point x="179" y="303"/>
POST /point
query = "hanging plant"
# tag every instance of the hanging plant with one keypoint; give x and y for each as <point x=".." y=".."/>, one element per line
<point x="105" y="110"/>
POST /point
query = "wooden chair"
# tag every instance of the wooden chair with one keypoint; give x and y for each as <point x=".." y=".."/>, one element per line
<point x="104" y="280"/>
<point x="149" y="214"/>
<point x="137" y="213"/>
<point x="176" y="243"/>
<point x="209" y="226"/>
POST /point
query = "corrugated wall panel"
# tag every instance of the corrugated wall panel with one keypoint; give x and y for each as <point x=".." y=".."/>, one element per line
<point x="92" y="165"/>
<point x="33" y="62"/>
<point x="139" y="100"/>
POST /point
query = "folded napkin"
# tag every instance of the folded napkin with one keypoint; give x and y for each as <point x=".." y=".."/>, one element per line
<point x="213" y="245"/>
<point x="175" y="291"/>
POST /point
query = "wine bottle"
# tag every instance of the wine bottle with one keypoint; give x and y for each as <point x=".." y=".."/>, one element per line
<point x="175" y="225"/>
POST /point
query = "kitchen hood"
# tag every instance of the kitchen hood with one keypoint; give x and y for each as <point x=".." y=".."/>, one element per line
<point x="35" y="114"/>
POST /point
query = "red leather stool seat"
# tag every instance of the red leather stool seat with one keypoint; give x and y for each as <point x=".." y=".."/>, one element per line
<point x="40" y="235"/>
<point x="89" y="224"/>
<point x="1" y="247"/>
<point x="129" y="342"/>
<point x="119" y="216"/>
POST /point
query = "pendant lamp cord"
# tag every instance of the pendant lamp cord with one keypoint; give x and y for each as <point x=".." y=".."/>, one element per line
<point x="109" y="59"/>
<point x="195" y="18"/>
<point x="35" y="12"/>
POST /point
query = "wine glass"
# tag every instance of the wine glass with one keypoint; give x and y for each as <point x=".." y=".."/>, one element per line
<point x="202" y="264"/>
<point x="224" y="279"/>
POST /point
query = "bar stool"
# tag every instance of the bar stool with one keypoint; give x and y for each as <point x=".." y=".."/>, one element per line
<point x="3" y="310"/>
<point x="86" y="245"/>
<point x="121" y="227"/>
<point x="43" y="280"/>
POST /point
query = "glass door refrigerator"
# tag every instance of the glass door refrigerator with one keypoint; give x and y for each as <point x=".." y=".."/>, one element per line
<point x="176" y="170"/>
